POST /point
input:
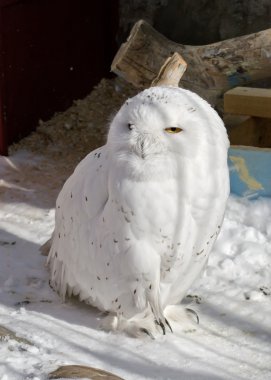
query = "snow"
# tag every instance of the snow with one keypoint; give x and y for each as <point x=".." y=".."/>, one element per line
<point x="232" y="298"/>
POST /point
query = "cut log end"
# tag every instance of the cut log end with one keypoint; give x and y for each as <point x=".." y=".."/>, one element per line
<point x="171" y="71"/>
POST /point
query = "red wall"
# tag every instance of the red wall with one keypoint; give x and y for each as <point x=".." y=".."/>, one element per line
<point x="51" y="52"/>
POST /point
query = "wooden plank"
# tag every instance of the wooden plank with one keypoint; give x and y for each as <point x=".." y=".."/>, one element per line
<point x="250" y="174"/>
<point x="248" y="101"/>
<point x="251" y="131"/>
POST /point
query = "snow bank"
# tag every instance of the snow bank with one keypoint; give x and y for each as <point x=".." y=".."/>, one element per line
<point x="232" y="341"/>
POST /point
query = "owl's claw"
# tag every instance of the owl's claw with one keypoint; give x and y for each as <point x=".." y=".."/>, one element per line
<point x="167" y="322"/>
<point x="191" y="311"/>
<point x="161" y="324"/>
<point x="147" y="332"/>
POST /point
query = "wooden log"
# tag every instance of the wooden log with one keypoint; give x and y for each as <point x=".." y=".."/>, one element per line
<point x="248" y="101"/>
<point x="212" y="69"/>
<point x="80" y="371"/>
<point x="9" y="334"/>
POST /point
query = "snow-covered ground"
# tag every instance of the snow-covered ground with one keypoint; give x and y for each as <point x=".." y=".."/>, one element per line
<point x="233" y="297"/>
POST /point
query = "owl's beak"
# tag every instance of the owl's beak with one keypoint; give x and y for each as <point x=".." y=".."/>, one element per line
<point x="140" y="148"/>
<point x="147" y="145"/>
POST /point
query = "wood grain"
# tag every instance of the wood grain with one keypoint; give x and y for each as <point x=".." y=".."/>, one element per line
<point x="248" y="101"/>
<point x="171" y="72"/>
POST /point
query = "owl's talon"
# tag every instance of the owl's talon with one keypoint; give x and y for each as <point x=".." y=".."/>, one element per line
<point x="168" y="324"/>
<point x="147" y="332"/>
<point x="161" y="324"/>
<point x="191" y="311"/>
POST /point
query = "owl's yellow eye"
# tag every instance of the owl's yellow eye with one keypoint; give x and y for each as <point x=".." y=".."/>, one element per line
<point x="173" y="130"/>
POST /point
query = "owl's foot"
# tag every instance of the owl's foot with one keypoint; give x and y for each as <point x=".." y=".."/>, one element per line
<point x="162" y="325"/>
<point x="156" y="309"/>
<point x="182" y="317"/>
<point x="140" y="326"/>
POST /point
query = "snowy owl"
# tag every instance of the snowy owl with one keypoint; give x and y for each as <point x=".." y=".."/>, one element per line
<point x="137" y="219"/>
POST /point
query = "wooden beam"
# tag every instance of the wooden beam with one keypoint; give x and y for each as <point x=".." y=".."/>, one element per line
<point x="248" y="101"/>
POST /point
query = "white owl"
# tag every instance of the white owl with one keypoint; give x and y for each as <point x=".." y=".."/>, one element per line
<point x="137" y="219"/>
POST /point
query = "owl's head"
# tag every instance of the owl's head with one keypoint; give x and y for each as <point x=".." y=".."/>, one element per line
<point x="163" y="122"/>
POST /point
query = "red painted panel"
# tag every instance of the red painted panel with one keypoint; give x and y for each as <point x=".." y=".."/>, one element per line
<point x="51" y="52"/>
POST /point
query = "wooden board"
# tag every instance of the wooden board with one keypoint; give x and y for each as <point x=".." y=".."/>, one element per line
<point x="248" y="101"/>
<point x="250" y="173"/>
<point x="251" y="131"/>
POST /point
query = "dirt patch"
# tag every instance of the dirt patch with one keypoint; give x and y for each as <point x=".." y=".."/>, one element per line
<point x="69" y="136"/>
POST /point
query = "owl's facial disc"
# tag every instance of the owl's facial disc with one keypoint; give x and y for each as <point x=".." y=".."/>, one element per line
<point x="149" y="129"/>
<point x="147" y="132"/>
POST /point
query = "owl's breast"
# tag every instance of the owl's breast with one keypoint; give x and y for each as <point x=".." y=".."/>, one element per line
<point x="180" y="210"/>
<point x="148" y="208"/>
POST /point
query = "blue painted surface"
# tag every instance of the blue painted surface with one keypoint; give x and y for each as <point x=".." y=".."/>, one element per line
<point x="238" y="79"/>
<point x="250" y="171"/>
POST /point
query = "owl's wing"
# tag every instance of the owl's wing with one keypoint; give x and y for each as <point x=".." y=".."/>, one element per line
<point x="81" y="200"/>
<point x="87" y="187"/>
